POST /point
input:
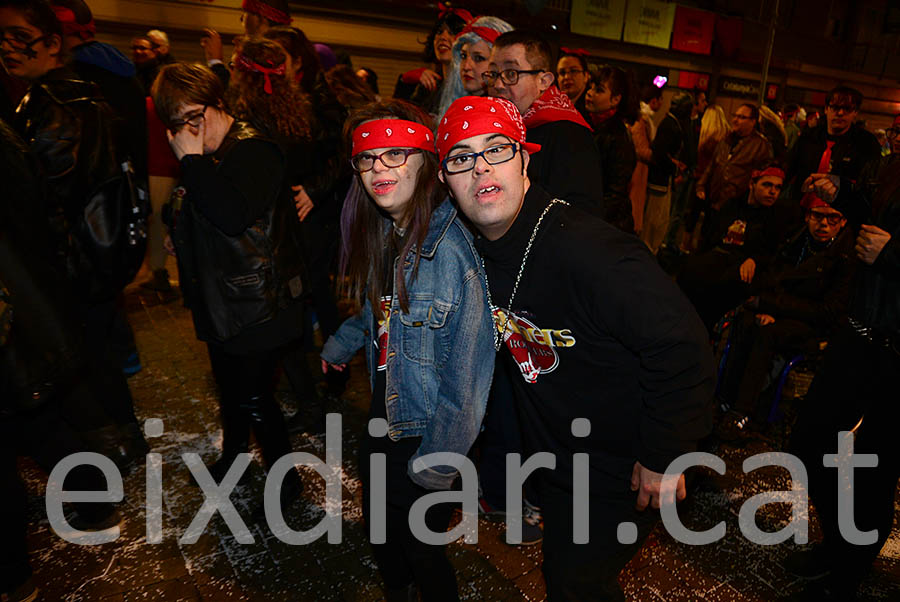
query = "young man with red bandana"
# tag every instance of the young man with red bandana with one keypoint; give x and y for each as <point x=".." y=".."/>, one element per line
<point x="569" y="166"/>
<point x="606" y="356"/>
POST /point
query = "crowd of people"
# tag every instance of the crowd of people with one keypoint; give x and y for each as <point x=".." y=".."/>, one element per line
<point x="537" y="263"/>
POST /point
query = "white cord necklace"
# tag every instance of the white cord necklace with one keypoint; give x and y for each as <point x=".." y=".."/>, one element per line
<point x="500" y="333"/>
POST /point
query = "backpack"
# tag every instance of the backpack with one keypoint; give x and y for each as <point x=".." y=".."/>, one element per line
<point x="113" y="231"/>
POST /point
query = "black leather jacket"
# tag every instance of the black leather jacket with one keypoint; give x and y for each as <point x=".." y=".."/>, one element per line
<point x="242" y="275"/>
<point x="618" y="159"/>
<point x="67" y="126"/>
<point x="875" y="300"/>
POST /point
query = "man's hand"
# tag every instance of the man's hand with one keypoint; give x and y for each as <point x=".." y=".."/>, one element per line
<point x="430" y="79"/>
<point x="764" y="319"/>
<point x="656" y="489"/>
<point x="870" y="242"/>
<point x="748" y="269"/>
<point x="302" y="202"/>
<point x="823" y="185"/>
<point x="186" y="142"/>
<point x="168" y="245"/>
<point x="701" y="195"/>
<point x="212" y="44"/>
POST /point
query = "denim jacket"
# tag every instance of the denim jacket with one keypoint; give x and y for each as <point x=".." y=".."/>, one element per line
<point x="440" y="355"/>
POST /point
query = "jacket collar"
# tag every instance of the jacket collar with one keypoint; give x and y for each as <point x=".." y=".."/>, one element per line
<point x="440" y="222"/>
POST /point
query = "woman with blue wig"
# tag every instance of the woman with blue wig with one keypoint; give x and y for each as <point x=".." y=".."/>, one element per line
<point x="471" y="57"/>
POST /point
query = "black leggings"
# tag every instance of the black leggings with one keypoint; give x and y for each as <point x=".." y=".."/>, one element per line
<point x="246" y="400"/>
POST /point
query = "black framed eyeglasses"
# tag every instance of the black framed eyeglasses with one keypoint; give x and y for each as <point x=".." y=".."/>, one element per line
<point x="20" y="40"/>
<point x="510" y="77"/>
<point x="494" y="155"/>
<point x="833" y="219"/>
<point x="843" y="108"/>
<point x="393" y="157"/>
<point x="194" y="120"/>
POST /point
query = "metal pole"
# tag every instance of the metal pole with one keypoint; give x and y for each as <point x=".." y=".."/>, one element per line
<point x="765" y="69"/>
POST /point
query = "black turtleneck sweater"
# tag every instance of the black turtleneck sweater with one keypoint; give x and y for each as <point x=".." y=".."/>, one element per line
<point x="600" y="333"/>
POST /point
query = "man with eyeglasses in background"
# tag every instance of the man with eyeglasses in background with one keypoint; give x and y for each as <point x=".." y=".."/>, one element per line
<point x="604" y="355"/>
<point x="839" y="146"/>
<point x="735" y="158"/>
<point x="569" y="164"/>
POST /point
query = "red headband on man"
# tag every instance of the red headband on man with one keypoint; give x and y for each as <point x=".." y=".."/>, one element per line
<point x="391" y="133"/>
<point x="258" y="7"/>
<point x="70" y="26"/>
<point x="462" y="13"/>
<point x="575" y="52"/>
<point x="773" y="171"/>
<point x="486" y="33"/>
<point x="475" y="115"/>
<point x="249" y="65"/>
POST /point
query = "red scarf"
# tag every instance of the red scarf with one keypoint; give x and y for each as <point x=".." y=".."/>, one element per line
<point x="603" y="117"/>
<point x="553" y="105"/>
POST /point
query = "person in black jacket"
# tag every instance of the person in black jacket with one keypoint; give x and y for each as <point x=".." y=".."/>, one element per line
<point x="665" y="166"/>
<point x="569" y="166"/>
<point x="856" y="391"/>
<point x="802" y="298"/>
<point x="613" y="104"/>
<point x="742" y="242"/>
<point x="606" y="357"/>
<point x="70" y="130"/>
<point x="839" y="146"/>
<point x="237" y="267"/>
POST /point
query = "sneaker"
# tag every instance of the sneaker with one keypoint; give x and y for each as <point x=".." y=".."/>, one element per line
<point x="132" y="364"/>
<point x="27" y="592"/>
<point x="811" y="563"/>
<point x="158" y="282"/>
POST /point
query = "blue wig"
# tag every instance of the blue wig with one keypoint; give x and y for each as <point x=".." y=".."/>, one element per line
<point x="453" y="87"/>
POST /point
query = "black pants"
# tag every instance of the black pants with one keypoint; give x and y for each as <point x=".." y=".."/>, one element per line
<point x="713" y="283"/>
<point x="589" y="572"/>
<point x="246" y="401"/>
<point x="753" y="348"/>
<point x="857" y="379"/>
<point x="105" y="362"/>
<point x="403" y="559"/>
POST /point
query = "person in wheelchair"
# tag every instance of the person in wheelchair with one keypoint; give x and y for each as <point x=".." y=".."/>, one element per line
<point x="802" y="297"/>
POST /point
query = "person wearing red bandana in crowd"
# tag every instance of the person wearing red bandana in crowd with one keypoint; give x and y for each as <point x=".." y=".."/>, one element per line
<point x="471" y="58"/>
<point x="258" y="16"/>
<point x="569" y="166"/>
<point x="573" y="75"/>
<point x="802" y="298"/>
<point x="741" y="242"/>
<point x="605" y="355"/>
<point x="426" y="329"/>
<point x="237" y="264"/>
<point x="424" y="86"/>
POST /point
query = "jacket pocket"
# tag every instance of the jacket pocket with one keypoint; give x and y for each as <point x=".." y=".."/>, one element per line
<point x="419" y="326"/>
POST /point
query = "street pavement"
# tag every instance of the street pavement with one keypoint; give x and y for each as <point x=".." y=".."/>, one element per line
<point x="176" y="386"/>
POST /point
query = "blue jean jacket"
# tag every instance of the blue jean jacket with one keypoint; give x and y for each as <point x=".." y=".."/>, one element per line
<point x="440" y="356"/>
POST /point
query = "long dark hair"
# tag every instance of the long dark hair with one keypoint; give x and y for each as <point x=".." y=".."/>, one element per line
<point x="364" y="226"/>
<point x="620" y="83"/>
<point x="454" y="23"/>
<point x="298" y="46"/>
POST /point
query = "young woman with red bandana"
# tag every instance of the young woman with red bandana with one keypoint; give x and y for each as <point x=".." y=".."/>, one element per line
<point x="425" y="325"/>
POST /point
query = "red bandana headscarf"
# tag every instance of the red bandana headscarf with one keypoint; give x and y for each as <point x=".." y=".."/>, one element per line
<point x="476" y="115"/>
<point x="245" y="64"/>
<point x="553" y="105"/>
<point x="264" y="9"/>
<point x="71" y="26"/>
<point x="485" y="33"/>
<point x="462" y="13"/>
<point x="391" y="133"/>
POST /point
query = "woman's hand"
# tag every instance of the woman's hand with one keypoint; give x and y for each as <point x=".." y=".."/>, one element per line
<point x="302" y="202"/>
<point x="168" y="245"/>
<point x="186" y="142"/>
